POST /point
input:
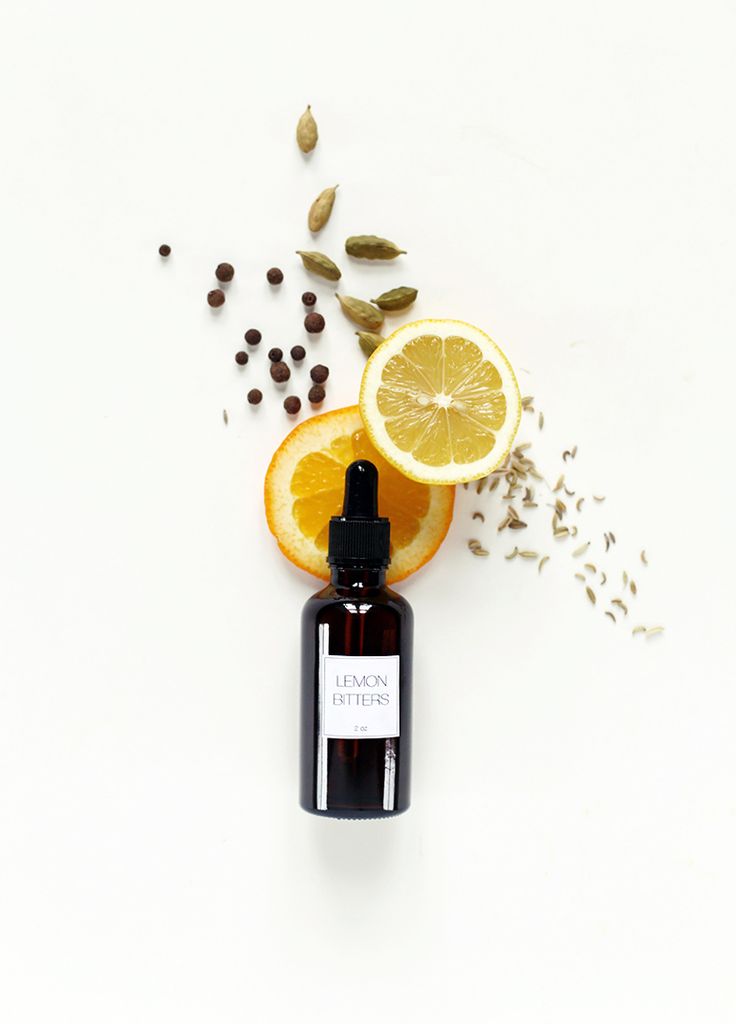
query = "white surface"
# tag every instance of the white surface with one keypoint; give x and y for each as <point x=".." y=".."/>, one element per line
<point x="561" y="175"/>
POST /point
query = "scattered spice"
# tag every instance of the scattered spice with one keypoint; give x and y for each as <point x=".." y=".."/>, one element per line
<point x="371" y="247"/>
<point x="319" y="373"/>
<point x="638" y="629"/>
<point x="298" y="353"/>
<point x="224" y="272"/>
<point x="274" y="275"/>
<point x="632" y="587"/>
<point x="581" y="550"/>
<point x="164" y="250"/>
<point x="252" y="336"/>
<point x="579" y="504"/>
<point x="591" y="595"/>
<point x="541" y="420"/>
<point x="513" y="554"/>
<point x="321" y="208"/>
<point x="559" y="485"/>
<point x="369" y="342"/>
<point x="275" y="355"/>
<point x="542" y="560"/>
<point x="527" y="403"/>
<point x="292" y="404"/>
<point x="306" y="131"/>
<point x="360" y="312"/>
<point x="225" y="418"/>
<point x="619" y="604"/>
<point x="254" y="396"/>
<point x="316" y="394"/>
<point x="479" y="515"/>
<point x="579" y="576"/>
<point x="529" y="554"/>
<point x="653" y="630"/>
<point x="280" y="372"/>
<point x="241" y="358"/>
<point x="590" y="567"/>
<point x="314" y="323"/>
<point x="643" y="557"/>
<point x="603" y="578"/>
<point x="596" y="498"/>
<point x="309" y="299"/>
<point x="611" y="616"/>
<point x="396" y="300"/>
<point x="318" y="263"/>
<point x="216" y="298"/>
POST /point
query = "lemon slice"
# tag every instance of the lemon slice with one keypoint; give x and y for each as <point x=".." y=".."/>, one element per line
<point x="440" y="401"/>
<point x="305" y="483"/>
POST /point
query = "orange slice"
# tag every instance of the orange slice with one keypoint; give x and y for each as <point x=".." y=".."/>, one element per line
<point x="304" y="487"/>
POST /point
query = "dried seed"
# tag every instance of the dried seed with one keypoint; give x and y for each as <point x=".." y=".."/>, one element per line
<point x="516" y="524"/>
<point x="608" y="543"/>
<point x="529" y="554"/>
<point x="619" y="604"/>
<point x="479" y="515"/>
<point x="583" y="548"/>
<point x="318" y="263"/>
<point x="513" y="513"/>
<point x="653" y="630"/>
<point x="643" y="557"/>
<point x="568" y="492"/>
<point x="480" y="484"/>
<point x="579" y="504"/>
<point x="527" y="403"/>
<point x="225" y="417"/>
<point x="493" y="484"/>
<point x="596" y="498"/>
<point x="306" y="131"/>
<point x="541" y="420"/>
<point x="632" y="588"/>
<point x="474" y="543"/>
<point x="371" y="247"/>
<point x="321" y="208"/>
<point x="360" y="312"/>
<point x="504" y="523"/>
<point x="369" y="342"/>
<point x="573" y="531"/>
<point x="565" y="455"/>
<point x="638" y="629"/>
<point x="611" y="616"/>
<point x="591" y="595"/>
<point x="479" y="551"/>
<point x="561" y="531"/>
<point x="603" y="578"/>
<point x="574" y="450"/>
<point x="590" y="567"/>
<point x="559" y="485"/>
<point x="612" y="535"/>
<point x="513" y="554"/>
<point x="542" y="560"/>
<point x="396" y="300"/>
<point x="579" y="576"/>
<point x="625" y="578"/>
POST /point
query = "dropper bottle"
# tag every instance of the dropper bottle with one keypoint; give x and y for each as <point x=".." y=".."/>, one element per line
<point x="356" y="669"/>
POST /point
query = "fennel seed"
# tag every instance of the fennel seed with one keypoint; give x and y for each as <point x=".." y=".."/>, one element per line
<point x="591" y="595"/>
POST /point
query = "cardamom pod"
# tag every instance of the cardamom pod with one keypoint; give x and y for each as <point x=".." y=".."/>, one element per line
<point x="321" y="208"/>
<point x="371" y="247"/>
<point x="361" y="313"/>
<point x="318" y="263"/>
<point x="369" y="341"/>
<point x="306" y="132"/>
<point x="396" y="300"/>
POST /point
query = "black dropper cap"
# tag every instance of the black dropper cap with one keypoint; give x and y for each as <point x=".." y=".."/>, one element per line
<point x="360" y="537"/>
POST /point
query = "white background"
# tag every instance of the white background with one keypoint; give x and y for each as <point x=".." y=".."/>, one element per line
<point x="563" y="176"/>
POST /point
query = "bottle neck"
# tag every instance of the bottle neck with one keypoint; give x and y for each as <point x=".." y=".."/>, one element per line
<point x="348" y="578"/>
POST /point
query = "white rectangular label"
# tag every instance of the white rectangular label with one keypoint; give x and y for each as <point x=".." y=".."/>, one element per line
<point x="360" y="697"/>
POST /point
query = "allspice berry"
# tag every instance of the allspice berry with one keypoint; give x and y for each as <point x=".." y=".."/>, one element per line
<point x="308" y="298"/>
<point x="255" y="396"/>
<point x="316" y="394"/>
<point x="274" y="275"/>
<point x="314" y="323"/>
<point x="298" y="353"/>
<point x="280" y="372"/>
<point x="275" y="355"/>
<point x="292" y="405"/>
<point x="241" y="358"/>
<point x="319" y="373"/>
<point x="164" y="250"/>
<point x="216" y="297"/>
<point x="252" y="336"/>
<point x="224" y="272"/>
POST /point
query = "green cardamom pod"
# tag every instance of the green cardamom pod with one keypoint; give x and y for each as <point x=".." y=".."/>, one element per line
<point x="361" y="313"/>
<point x="306" y="132"/>
<point x="371" y="247"/>
<point x="369" y="341"/>
<point x="396" y="300"/>
<point x="321" y="208"/>
<point x="318" y="263"/>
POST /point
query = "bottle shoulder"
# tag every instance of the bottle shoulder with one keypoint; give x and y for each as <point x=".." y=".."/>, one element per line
<point x="331" y="597"/>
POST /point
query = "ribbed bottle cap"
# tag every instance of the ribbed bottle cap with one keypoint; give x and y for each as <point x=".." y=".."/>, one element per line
<point x="360" y="537"/>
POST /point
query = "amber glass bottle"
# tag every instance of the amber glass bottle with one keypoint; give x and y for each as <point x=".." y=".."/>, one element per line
<point x="356" y="670"/>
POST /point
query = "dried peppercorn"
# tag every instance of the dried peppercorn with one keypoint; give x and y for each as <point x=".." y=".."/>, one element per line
<point x="274" y="275"/>
<point x="298" y="353"/>
<point x="224" y="272"/>
<point x="255" y="396"/>
<point x="216" y="297"/>
<point x="164" y="250"/>
<point x="292" y="405"/>
<point x="319" y="373"/>
<point x="280" y="372"/>
<point x="275" y="355"/>
<point x="241" y="358"/>
<point x="314" y="323"/>
<point x="252" y="336"/>
<point x="316" y="394"/>
<point x="309" y="298"/>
